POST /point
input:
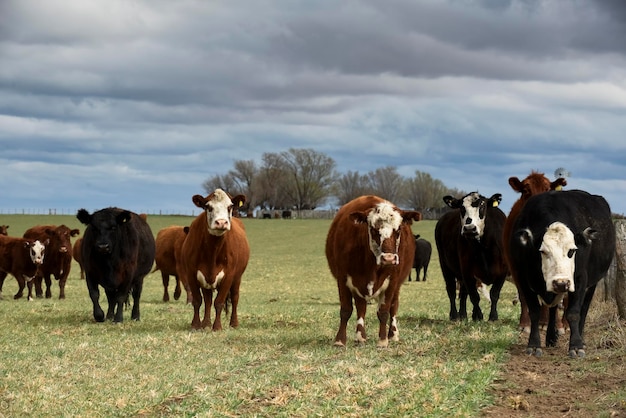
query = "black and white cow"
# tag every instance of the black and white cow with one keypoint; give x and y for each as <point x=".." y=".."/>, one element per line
<point x="562" y="244"/>
<point x="469" y="242"/>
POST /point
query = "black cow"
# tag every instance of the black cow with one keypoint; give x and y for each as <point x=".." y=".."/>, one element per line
<point x="469" y="242"/>
<point x="562" y="244"/>
<point x="117" y="252"/>
<point x="423" y="251"/>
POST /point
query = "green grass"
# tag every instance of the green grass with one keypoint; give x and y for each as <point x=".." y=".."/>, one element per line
<point x="56" y="361"/>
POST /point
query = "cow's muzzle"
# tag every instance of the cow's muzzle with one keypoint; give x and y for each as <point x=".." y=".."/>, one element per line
<point x="561" y="285"/>
<point x="389" y="259"/>
<point x="104" y="248"/>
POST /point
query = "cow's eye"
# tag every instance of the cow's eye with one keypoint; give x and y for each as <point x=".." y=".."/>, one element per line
<point x="571" y="253"/>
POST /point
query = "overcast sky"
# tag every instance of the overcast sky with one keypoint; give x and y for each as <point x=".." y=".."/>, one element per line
<point x="135" y="103"/>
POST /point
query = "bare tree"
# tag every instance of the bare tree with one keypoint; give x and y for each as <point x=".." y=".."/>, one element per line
<point x="310" y="175"/>
<point x="350" y="186"/>
<point x="385" y="182"/>
<point x="224" y="182"/>
<point x="245" y="175"/>
<point x="425" y="192"/>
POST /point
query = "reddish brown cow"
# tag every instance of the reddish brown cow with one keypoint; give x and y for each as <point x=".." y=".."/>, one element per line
<point x="214" y="256"/>
<point x="76" y="253"/>
<point x="4" y="230"/>
<point x="534" y="184"/>
<point x="58" y="257"/>
<point x="370" y="250"/>
<point x="168" y="241"/>
<point x="21" y="258"/>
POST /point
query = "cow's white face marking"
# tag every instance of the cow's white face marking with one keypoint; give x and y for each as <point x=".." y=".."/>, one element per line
<point x="37" y="252"/>
<point x="558" y="251"/>
<point x="218" y="213"/>
<point x="473" y="211"/>
<point x="384" y="223"/>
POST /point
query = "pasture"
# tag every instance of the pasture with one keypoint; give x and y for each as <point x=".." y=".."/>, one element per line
<point x="56" y="361"/>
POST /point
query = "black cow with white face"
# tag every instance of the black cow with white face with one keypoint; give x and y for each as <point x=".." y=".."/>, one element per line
<point x="562" y="244"/>
<point x="469" y="242"/>
<point x="117" y="253"/>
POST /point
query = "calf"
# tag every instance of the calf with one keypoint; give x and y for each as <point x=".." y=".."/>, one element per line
<point x="168" y="240"/>
<point x="370" y="250"/>
<point x="423" y="250"/>
<point x="4" y="230"/>
<point x="21" y="258"/>
<point x="117" y="253"/>
<point x="562" y="244"/>
<point x="58" y="257"/>
<point x="469" y="242"/>
<point x="214" y="256"/>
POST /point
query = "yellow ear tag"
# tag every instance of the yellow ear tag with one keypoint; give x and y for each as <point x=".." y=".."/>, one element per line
<point x="495" y="204"/>
<point x="558" y="188"/>
<point x="240" y="203"/>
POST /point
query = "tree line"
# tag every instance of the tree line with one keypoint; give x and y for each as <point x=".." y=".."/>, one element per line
<point x="305" y="179"/>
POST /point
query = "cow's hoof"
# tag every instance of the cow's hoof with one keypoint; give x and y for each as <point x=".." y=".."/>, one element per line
<point x="536" y="351"/>
<point x="339" y="344"/>
<point x="577" y="353"/>
<point x="382" y="344"/>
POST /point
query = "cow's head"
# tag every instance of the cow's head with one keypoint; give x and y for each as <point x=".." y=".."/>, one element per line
<point x="37" y="250"/>
<point x="384" y="223"/>
<point x="218" y="207"/>
<point x="4" y="229"/>
<point x="473" y="209"/>
<point x="104" y="226"/>
<point x="534" y="184"/>
<point x="558" y="250"/>
<point x="60" y="236"/>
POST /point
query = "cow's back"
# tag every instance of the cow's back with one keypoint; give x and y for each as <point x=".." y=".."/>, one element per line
<point x="165" y="257"/>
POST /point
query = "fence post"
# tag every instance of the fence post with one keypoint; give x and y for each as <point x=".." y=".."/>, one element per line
<point x="620" y="264"/>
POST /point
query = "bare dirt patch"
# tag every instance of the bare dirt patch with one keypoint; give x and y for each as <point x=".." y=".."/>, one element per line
<point x="556" y="386"/>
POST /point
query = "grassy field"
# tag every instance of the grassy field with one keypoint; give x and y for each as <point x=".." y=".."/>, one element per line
<point x="56" y="361"/>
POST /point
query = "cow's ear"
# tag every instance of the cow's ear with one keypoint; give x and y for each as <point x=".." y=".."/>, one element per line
<point x="358" y="217"/>
<point x="516" y="184"/>
<point x="123" y="217"/>
<point x="558" y="184"/>
<point x="452" y="202"/>
<point x="83" y="216"/>
<point x="74" y="232"/>
<point x="495" y="200"/>
<point x="239" y="200"/>
<point x="524" y="236"/>
<point x="186" y="230"/>
<point x="199" y="201"/>
<point x="409" y="216"/>
<point x="586" y="237"/>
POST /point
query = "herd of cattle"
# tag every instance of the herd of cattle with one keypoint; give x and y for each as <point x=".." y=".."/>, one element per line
<point x="554" y="245"/>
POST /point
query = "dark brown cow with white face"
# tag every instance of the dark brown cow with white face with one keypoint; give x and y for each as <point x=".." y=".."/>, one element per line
<point x="168" y="240"/>
<point x="534" y="184"/>
<point x="58" y="257"/>
<point x="370" y="250"/>
<point x="21" y="258"/>
<point x="214" y="256"/>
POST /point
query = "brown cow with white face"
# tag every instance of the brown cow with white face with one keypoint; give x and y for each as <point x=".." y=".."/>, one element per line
<point x="21" y="258"/>
<point x="370" y="250"/>
<point x="58" y="258"/>
<point x="214" y="256"/>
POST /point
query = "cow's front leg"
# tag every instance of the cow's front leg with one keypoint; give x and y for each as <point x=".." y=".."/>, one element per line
<point x="383" y="318"/>
<point x="94" y="295"/>
<point x="494" y="295"/>
<point x="137" y="288"/>
<point x="394" y="333"/>
<point x="534" y="339"/>
<point x="361" y="307"/>
<point x="234" y="300"/>
<point x="112" y="301"/>
<point x="552" y="334"/>
<point x="220" y="301"/>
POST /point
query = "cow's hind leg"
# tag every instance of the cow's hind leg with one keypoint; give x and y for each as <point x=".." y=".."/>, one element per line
<point x="137" y="288"/>
<point x="494" y="295"/>
<point x="165" y="278"/>
<point x="361" y="308"/>
<point x="234" y="300"/>
<point x="177" y="289"/>
<point x="207" y="295"/>
<point x="345" y="312"/>
<point x="451" y="290"/>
